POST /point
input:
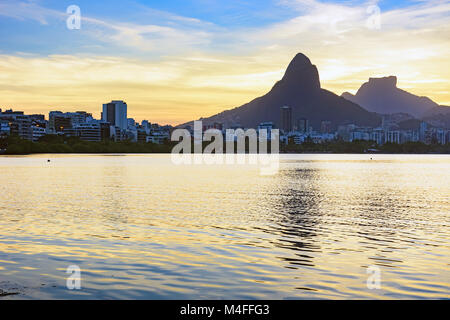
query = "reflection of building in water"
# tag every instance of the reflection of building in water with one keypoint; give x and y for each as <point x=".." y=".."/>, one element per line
<point x="114" y="202"/>
<point x="298" y="214"/>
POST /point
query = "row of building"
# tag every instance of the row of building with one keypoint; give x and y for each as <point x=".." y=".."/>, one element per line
<point x="114" y="125"/>
<point x="299" y="130"/>
<point x="382" y="135"/>
<point x="388" y="132"/>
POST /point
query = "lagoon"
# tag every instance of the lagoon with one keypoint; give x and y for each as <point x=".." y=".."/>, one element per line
<point x="140" y="227"/>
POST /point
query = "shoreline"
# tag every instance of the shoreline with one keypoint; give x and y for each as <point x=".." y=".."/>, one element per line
<point x="281" y="153"/>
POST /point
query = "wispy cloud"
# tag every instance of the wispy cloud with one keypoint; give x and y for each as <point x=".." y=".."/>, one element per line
<point x="27" y="10"/>
<point x="174" y="33"/>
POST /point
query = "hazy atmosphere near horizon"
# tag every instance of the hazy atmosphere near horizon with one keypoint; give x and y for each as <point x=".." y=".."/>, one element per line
<point x="203" y="151"/>
<point x="176" y="61"/>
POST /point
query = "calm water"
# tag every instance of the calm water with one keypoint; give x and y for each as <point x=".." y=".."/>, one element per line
<point x="140" y="227"/>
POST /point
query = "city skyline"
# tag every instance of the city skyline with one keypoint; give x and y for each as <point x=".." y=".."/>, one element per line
<point x="388" y="115"/>
<point x="114" y="125"/>
<point x="175" y="63"/>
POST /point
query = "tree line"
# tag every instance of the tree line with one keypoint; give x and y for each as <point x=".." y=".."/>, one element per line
<point x="62" y="144"/>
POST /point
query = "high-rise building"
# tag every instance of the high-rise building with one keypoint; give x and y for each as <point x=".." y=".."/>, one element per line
<point x="19" y="124"/>
<point x="105" y="131"/>
<point x="37" y="117"/>
<point x="393" y="136"/>
<point x="59" y="121"/>
<point x="38" y="132"/>
<point x="423" y="131"/>
<point x="89" y="132"/>
<point x="377" y="135"/>
<point x="302" y="125"/>
<point x="325" y="126"/>
<point x="131" y="123"/>
<point x="5" y="129"/>
<point x="268" y="127"/>
<point x="146" y="126"/>
<point x="440" y="136"/>
<point x="141" y="135"/>
<point x="115" y="113"/>
<point x="286" y="119"/>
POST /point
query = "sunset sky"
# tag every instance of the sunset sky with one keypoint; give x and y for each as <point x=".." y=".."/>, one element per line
<point x="173" y="61"/>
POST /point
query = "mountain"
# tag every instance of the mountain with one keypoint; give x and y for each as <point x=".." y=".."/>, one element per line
<point x="381" y="95"/>
<point x="300" y="89"/>
<point x="438" y="111"/>
<point x="438" y="117"/>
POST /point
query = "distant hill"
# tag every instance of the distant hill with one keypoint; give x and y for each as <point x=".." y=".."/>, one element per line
<point x="411" y="124"/>
<point x="381" y="95"/>
<point x="300" y="89"/>
<point x="438" y="116"/>
<point x="438" y="111"/>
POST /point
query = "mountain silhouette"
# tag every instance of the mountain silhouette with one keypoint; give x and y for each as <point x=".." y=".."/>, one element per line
<point x="381" y="95"/>
<point x="438" y="116"/>
<point x="299" y="89"/>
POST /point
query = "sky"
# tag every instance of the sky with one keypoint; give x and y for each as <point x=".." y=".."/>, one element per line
<point x="173" y="61"/>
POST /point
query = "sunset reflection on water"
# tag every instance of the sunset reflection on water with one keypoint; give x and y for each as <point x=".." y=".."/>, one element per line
<point x="140" y="227"/>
